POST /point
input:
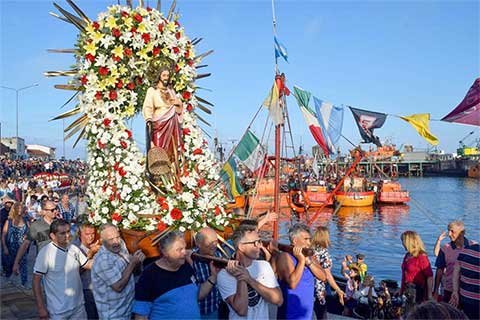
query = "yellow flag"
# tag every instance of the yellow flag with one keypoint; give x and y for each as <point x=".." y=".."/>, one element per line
<point x="421" y="123"/>
<point x="272" y="103"/>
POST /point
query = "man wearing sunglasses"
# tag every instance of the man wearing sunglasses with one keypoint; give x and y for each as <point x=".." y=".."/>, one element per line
<point x="39" y="232"/>
<point x="248" y="285"/>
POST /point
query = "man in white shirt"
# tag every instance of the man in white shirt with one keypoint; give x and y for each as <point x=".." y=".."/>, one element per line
<point x="59" y="263"/>
<point x="248" y="285"/>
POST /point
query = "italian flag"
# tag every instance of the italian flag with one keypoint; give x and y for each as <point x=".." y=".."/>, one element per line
<point x="303" y="98"/>
<point x="250" y="151"/>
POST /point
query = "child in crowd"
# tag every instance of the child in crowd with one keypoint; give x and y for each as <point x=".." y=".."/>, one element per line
<point x="362" y="266"/>
<point x="353" y="283"/>
<point x="346" y="263"/>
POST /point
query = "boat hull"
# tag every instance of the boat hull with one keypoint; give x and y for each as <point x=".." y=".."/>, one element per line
<point x="355" y="199"/>
<point x="318" y="196"/>
<point x="394" y="197"/>
<point x="256" y="202"/>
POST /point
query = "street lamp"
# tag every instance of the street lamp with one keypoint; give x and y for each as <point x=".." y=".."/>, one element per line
<point x="16" y="93"/>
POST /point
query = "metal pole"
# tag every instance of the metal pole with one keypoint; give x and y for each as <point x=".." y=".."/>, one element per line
<point x="16" y="92"/>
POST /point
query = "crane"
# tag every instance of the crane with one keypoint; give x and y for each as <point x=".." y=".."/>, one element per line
<point x="465" y="151"/>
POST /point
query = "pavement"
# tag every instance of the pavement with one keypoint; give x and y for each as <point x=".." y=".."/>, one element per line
<point x="17" y="302"/>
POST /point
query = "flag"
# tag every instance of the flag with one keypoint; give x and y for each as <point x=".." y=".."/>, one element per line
<point x="250" y="151"/>
<point x="272" y="103"/>
<point x="366" y="122"/>
<point x="330" y="118"/>
<point x="228" y="174"/>
<point x="421" y="123"/>
<point x="468" y="111"/>
<point x="303" y="98"/>
<point x="280" y="50"/>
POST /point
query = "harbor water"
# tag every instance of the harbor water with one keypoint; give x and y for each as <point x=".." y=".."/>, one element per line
<point x="375" y="231"/>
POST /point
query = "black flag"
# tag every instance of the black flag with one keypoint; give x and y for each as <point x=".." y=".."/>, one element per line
<point x="366" y="122"/>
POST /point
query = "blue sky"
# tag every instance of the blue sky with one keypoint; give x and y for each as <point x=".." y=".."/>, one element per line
<point x="397" y="57"/>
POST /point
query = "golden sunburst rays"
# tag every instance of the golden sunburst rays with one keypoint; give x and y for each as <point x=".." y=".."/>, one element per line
<point x="80" y="20"/>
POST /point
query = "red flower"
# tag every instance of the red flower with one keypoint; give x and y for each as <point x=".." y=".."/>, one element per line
<point x="186" y="95"/>
<point x="133" y="30"/>
<point x="138" y="80"/>
<point x="190" y="62"/>
<point x="116" y="59"/>
<point x="155" y="51"/>
<point x="99" y="95"/>
<point x="123" y="144"/>
<point x="122" y="172"/>
<point x="131" y="85"/>
<point x="129" y="133"/>
<point x="115" y="167"/>
<point x="189" y="107"/>
<point x="119" y="84"/>
<point x="103" y="71"/>
<point x="146" y="37"/>
<point x="149" y="9"/>
<point x="95" y="25"/>
<point x="161" y="226"/>
<point x="83" y="80"/>
<point x="128" y="52"/>
<point x="124" y="13"/>
<point x="106" y="122"/>
<point x="116" y="217"/>
<point x="196" y="194"/>
<point x="187" y="54"/>
<point x="112" y="197"/>
<point x="176" y="214"/>
<point x="186" y="131"/>
<point x="116" y="33"/>
<point x="160" y="200"/>
<point x="113" y="95"/>
<point x="160" y="27"/>
<point x="197" y="151"/>
<point x="217" y="210"/>
<point x="176" y="50"/>
<point x="101" y="145"/>
<point x="90" y="57"/>
<point x="201" y="182"/>
<point x="177" y="24"/>
<point x="137" y="17"/>
<point x="178" y="35"/>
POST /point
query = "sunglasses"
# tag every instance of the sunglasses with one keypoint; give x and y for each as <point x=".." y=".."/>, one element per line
<point x="52" y="210"/>
<point x="256" y="243"/>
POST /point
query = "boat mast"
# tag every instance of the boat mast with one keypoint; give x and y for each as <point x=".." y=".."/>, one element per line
<point x="276" y="190"/>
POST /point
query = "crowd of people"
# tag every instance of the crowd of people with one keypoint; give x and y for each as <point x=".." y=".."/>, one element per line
<point x="82" y="271"/>
<point x="94" y="276"/>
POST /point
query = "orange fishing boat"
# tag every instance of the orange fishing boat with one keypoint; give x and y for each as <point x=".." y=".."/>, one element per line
<point x="318" y="196"/>
<point x="355" y="194"/>
<point x="391" y="192"/>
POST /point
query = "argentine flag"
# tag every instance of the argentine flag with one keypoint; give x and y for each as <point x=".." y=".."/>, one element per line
<point x="280" y="50"/>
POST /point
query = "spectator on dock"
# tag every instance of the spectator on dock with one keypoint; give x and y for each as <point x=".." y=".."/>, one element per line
<point x="416" y="267"/>
<point x="167" y="288"/>
<point x="206" y="241"/>
<point x="248" y="285"/>
<point x="466" y="281"/>
<point x="4" y="213"/>
<point x="297" y="275"/>
<point x="112" y="275"/>
<point x="320" y="244"/>
<point x="59" y="263"/>
<point x="351" y="289"/>
<point x="89" y="247"/>
<point x="447" y="257"/>
<point x="13" y="235"/>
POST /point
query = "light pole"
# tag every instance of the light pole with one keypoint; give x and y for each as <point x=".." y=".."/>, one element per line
<point x="16" y="93"/>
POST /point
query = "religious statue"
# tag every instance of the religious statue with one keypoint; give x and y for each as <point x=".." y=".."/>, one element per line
<point x="162" y="110"/>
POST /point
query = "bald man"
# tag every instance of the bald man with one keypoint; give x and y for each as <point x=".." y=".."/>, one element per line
<point x="206" y="241"/>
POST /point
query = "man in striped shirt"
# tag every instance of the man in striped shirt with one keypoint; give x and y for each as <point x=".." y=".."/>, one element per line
<point x="466" y="281"/>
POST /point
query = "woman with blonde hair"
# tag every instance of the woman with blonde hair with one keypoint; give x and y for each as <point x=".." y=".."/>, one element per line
<point x="320" y="244"/>
<point x="14" y="233"/>
<point x="416" y="269"/>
